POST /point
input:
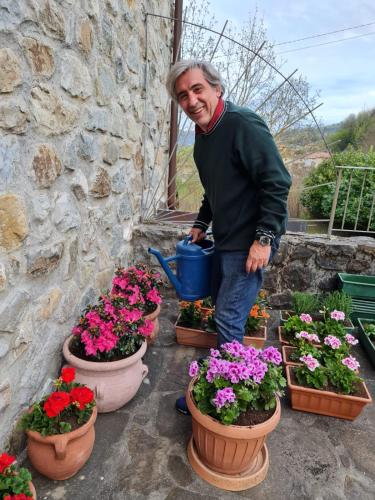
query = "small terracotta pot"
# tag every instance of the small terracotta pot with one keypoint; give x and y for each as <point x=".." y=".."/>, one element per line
<point x="61" y="456"/>
<point x="114" y="383"/>
<point x="154" y="317"/>
<point x="228" y="449"/>
<point x="32" y="489"/>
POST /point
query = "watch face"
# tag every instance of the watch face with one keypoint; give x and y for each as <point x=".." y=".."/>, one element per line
<point x="265" y="241"/>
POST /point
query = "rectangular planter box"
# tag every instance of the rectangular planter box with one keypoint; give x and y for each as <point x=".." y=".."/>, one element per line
<point x="285" y="351"/>
<point x="282" y="339"/>
<point x="358" y="286"/>
<point x="200" y="338"/>
<point x="324" y="402"/>
<point x="349" y="327"/>
<point x="365" y="341"/>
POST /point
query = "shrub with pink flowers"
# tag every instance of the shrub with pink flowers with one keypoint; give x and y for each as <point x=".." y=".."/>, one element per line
<point x="237" y="379"/>
<point x="139" y="286"/>
<point x="14" y="483"/>
<point x="110" y="330"/>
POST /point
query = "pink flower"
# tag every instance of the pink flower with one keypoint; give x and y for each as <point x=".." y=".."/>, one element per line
<point x="338" y="315"/>
<point x="272" y="355"/>
<point x="193" y="369"/>
<point x="351" y="363"/>
<point x="224" y="396"/>
<point x="350" y="339"/>
<point x="153" y="296"/>
<point x="310" y="362"/>
<point x="306" y="318"/>
<point x="130" y="316"/>
<point x="303" y="335"/>
<point x="314" y="338"/>
<point x="214" y="353"/>
<point x="332" y="341"/>
<point x="146" y="329"/>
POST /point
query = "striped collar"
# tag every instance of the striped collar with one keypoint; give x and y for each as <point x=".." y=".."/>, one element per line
<point x="218" y="113"/>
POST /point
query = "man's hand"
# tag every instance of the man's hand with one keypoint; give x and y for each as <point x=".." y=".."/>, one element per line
<point x="258" y="257"/>
<point x="197" y="234"/>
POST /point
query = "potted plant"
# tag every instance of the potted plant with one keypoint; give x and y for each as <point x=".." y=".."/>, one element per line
<point x="366" y="337"/>
<point x="15" y="484"/>
<point x="60" y="428"/>
<point x="106" y="349"/>
<point x="331" y="385"/>
<point x="233" y="398"/>
<point x="293" y="325"/>
<point x="306" y="343"/>
<point x="140" y="287"/>
<point x="303" y="302"/>
<point x="339" y="301"/>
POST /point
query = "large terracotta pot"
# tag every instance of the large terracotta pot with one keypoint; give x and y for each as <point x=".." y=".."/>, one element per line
<point x="114" y="382"/>
<point x="32" y="489"/>
<point x="63" y="455"/>
<point x="228" y="449"/>
<point x="154" y="317"/>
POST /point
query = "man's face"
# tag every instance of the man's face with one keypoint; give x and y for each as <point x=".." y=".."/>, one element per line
<point x="197" y="97"/>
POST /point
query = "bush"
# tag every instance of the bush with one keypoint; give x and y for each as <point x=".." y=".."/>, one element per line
<point x="319" y="200"/>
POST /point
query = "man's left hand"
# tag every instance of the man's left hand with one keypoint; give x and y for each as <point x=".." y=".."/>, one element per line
<point x="258" y="257"/>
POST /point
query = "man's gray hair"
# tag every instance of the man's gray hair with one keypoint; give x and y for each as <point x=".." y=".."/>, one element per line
<point x="179" y="68"/>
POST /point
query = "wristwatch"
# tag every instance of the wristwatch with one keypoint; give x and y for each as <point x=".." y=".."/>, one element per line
<point x="264" y="240"/>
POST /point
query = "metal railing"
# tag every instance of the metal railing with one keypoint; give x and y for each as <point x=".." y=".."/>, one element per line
<point x="356" y="210"/>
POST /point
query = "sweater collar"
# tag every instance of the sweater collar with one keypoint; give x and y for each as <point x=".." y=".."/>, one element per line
<point x="215" y="118"/>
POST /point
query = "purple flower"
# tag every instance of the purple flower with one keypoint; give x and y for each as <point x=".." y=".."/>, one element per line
<point x="351" y="363"/>
<point x="350" y="339"/>
<point x="306" y="318"/>
<point x="193" y="369"/>
<point x="314" y="338"/>
<point x="272" y="355"/>
<point x="234" y="348"/>
<point x="332" y="341"/>
<point x="303" y="335"/>
<point x="224" y="396"/>
<point x="338" y="315"/>
<point x="310" y="362"/>
<point x="258" y="369"/>
<point x="214" y="353"/>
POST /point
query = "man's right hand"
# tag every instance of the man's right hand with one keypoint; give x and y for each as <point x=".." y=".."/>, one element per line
<point x="197" y="234"/>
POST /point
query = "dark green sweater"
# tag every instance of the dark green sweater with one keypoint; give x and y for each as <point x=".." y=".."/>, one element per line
<point x="245" y="181"/>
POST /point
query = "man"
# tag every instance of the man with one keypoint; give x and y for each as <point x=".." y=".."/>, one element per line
<point x="246" y="187"/>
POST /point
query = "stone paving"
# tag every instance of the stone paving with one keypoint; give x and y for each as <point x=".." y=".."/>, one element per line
<point x="140" y="450"/>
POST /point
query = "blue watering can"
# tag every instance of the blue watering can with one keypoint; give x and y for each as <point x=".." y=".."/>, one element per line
<point x="194" y="265"/>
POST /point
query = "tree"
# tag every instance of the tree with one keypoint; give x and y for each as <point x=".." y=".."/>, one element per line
<point x="357" y="131"/>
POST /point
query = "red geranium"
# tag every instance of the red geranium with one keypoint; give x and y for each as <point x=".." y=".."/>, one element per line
<point x="17" y="496"/>
<point x="56" y="403"/>
<point x="5" y="461"/>
<point x="81" y="395"/>
<point x="68" y="374"/>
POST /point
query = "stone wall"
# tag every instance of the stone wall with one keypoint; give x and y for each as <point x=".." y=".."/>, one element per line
<point x="306" y="263"/>
<point x="72" y="106"/>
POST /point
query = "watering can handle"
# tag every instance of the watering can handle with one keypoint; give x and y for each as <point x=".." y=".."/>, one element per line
<point x="170" y="259"/>
<point x="187" y="239"/>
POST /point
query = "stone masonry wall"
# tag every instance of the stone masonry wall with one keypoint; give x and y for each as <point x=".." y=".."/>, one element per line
<point x="72" y="107"/>
<point x="306" y="263"/>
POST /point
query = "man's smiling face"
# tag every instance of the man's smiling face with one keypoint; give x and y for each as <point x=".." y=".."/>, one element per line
<point x="197" y="97"/>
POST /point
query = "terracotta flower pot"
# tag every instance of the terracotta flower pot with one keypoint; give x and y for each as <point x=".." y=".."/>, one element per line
<point x="154" y="317"/>
<point x="228" y="449"/>
<point x="327" y="403"/>
<point x="63" y="455"/>
<point x="114" y="383"/>
<point x="32" y="489"/>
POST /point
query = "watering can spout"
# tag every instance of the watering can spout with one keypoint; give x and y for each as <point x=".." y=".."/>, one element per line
<point x="164" y="264"/>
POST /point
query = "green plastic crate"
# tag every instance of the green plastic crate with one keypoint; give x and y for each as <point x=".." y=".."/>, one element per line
<point x="362" y="309"/>
<point x="366" y="343"/>
<point x="358" y="286"/>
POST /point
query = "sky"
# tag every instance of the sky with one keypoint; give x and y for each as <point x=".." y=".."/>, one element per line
<point x="343" y="72"/>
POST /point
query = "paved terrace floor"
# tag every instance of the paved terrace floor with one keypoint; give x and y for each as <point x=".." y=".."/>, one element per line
<point x="140" y="450"/>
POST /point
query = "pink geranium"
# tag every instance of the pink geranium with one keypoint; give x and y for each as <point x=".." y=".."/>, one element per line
<point x="337" y="315"/>
<point x="306" y="318"/>
<point x="351" y="363"/>
<point x="311" y="362"/>
<point x="332" y="341"/>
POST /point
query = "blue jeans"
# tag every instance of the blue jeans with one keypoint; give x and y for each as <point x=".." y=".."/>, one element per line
<point x="234" y="293"/>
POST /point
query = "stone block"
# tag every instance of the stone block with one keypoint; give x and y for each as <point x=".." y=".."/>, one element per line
<point x="296" y="277"/>
<point x="98" y="120"/>
<point x="3" y="277"/>
<point x="331" y="263"/>
<point x="105" y="85"/>
<point x="48" y="303"/>
<point x="270" y="280"/>
<point x="281" y="300"/>
<point x="103" y="279"/>
<point x="41" y="206"/>
<point x="39" y="56"/>
<point x="107" y="35"/>
<point x="357" y="266"/>
<point x="126" y="150"/>
<point x="87" y="147"/>
<point x="10" y="70"/>
<point x="119" y="181"/>
<point x="69" y="306"/>
<point x="85" y="36"/>
<point x="102" y="184"/>
<point x="79" y="185"/>
<point x="11" y="310"/>
<point x="4" y="347"/>
<point x="52" y="20"/>
<point x="75" y="79"/>
<point x="46" y="165"/>
<point x="73" y="258"/>
<point x="13" y="222"/>
<point x="53" y="114"/>
<point x="5" y="395"/>
<point x="66" y="215"/>
<point x="44" y="260"/>
<point x="302" y="253"/>
<point x="111" y="152"/>
<point x="25" y="335"/>
<point x="124" y="208"/>
<point x="13" y="117"/>
<point x="10" y="160"/>
<point x="328" y="283"/>
<point x="281" y="255"/>
<point x="124" y="98"/>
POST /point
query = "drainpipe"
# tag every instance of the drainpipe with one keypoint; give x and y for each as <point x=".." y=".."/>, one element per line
<point x="173" y="126"/>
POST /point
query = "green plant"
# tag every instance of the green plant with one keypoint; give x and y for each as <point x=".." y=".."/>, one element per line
<point x="319" y="200"/>
<point x="237" y="379"/>
<point x="330" y="327"/>
<point x="295" y="324"/>
<point x="338" y="301"/>
<point x="210" y="325"/>
<point x="207" y="302"/>
<point x="191" y="314"/>
<point x="305" y="303"/>
<point x="68" y="404"/>
<point x="13" y="483"/>
<point x="369" y="329"/>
